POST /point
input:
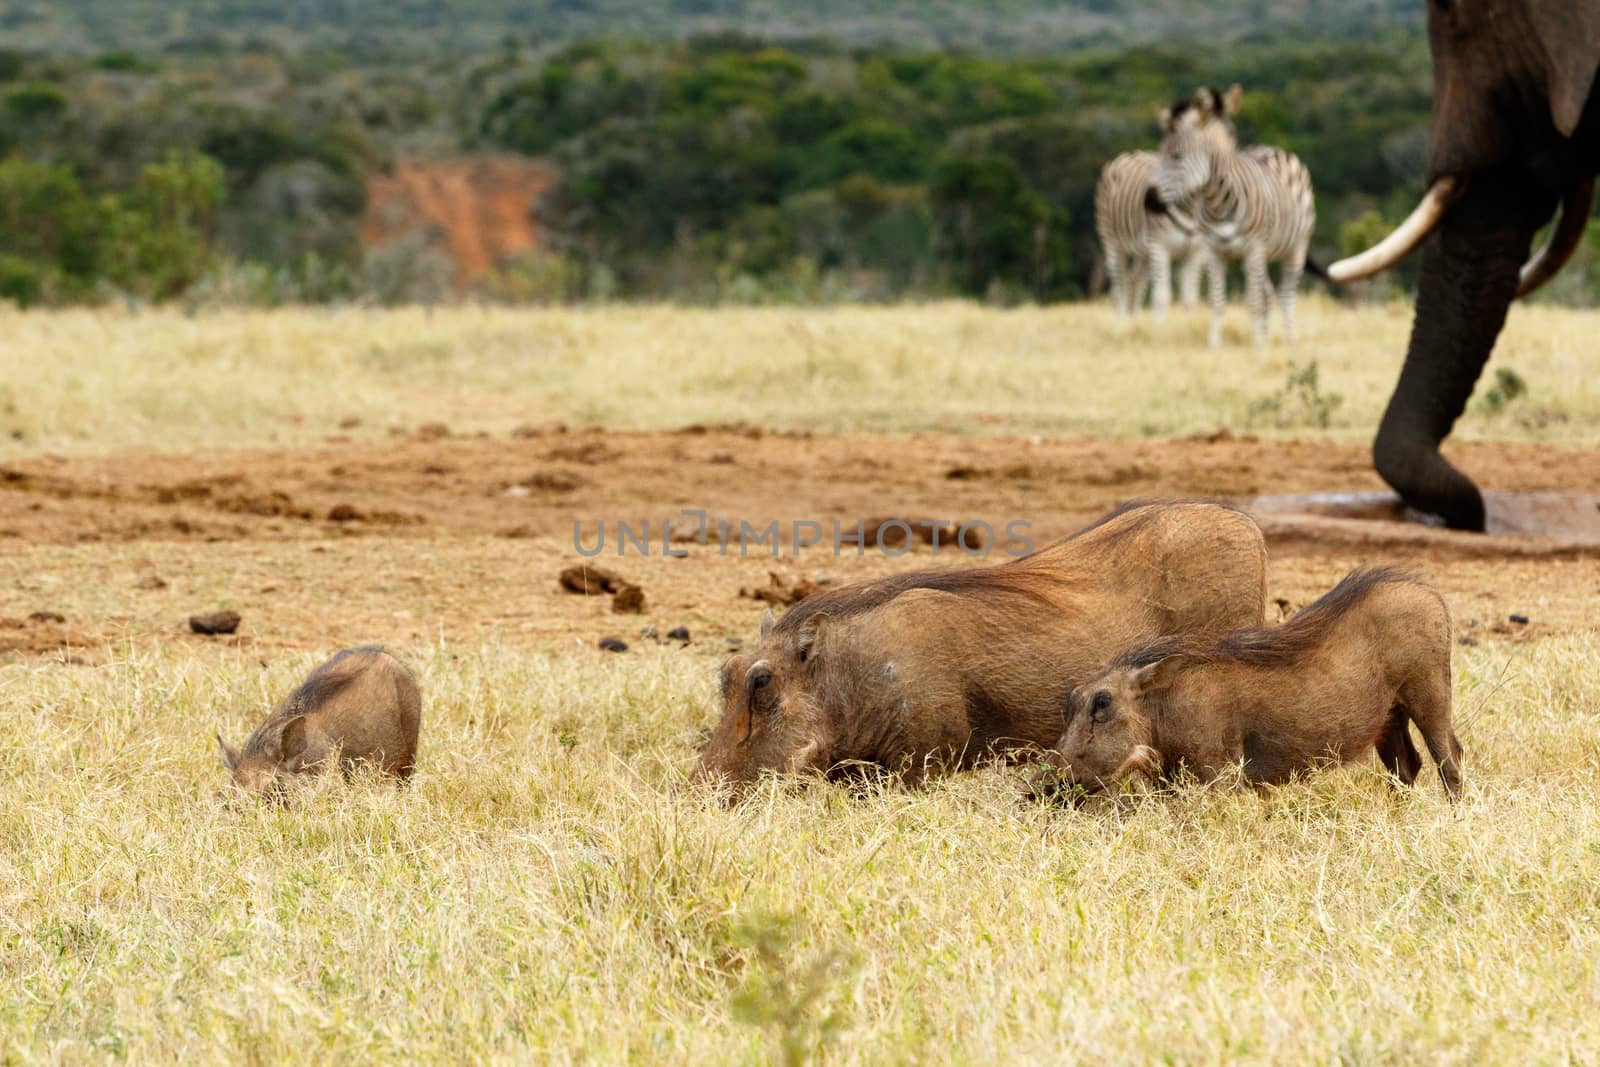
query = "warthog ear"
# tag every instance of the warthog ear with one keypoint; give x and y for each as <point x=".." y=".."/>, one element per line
<point x="1157" y="676"/>
<point x="292" y="740"/>
<point x="230" y="755"/>
<point x="806" y="640"/>
<point x="768" y="621"/>
<point x="1231" y="99"/>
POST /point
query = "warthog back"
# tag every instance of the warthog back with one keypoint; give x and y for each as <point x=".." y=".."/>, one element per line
<point x="362" y="705"/>
<point x="939" y="668"/>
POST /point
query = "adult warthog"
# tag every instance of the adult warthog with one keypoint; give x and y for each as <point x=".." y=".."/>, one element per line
<point x="939" y="669"/>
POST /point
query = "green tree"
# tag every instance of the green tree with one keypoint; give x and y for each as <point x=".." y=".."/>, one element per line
<point x="160" y="232"/>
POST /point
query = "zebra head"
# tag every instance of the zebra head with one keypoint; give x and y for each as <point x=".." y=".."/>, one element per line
<point x="1197" y="134"/>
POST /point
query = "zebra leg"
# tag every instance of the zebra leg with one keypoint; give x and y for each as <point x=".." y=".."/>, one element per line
<point x="1217" y="276"/>
<point x="1160" y="280"/>
<point x="1117" y="282"/>
<point x="1138" y="282"/>
<point x="1255" y="291"/>
<point x="1217" y="268"/>
<point x="1189" y="279"/>
<point x="1288" y="287"/>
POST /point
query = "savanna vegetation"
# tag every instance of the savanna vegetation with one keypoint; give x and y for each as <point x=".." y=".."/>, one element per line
<point x="105" y="379"/>
<point x="227" y="163"/>
<point x="546" y="889"/>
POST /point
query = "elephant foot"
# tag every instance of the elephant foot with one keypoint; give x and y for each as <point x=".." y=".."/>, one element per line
<point x="1427" y="482"/>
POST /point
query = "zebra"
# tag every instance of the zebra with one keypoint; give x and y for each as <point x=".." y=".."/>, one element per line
<point x="1139" y="243"/>
<point x="1254" y="204"/>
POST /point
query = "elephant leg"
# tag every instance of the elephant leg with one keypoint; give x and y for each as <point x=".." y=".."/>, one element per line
<point x="1469" y="277"/>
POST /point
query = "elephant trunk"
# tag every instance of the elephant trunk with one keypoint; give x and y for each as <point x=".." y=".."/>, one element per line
<point x="1469" y="278"/>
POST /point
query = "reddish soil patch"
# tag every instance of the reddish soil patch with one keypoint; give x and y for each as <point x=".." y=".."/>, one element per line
<point x="479" y="209"/>
<point x="463" y="539"/>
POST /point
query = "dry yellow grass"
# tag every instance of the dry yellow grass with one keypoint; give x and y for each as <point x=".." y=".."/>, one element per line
<point x="96" y="380"/>
<point x="546" y="891"/>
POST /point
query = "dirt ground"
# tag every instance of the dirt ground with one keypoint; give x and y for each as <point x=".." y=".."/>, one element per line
<point x="480" y="209"/>
<point x="432" y="537"/>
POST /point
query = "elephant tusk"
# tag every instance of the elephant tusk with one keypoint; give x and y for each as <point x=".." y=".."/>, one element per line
<point x="1405" y="238"/>
<point x="1563" y="241"/>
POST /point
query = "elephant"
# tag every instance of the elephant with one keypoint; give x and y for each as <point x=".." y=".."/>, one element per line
<point x="1515" y="132"/>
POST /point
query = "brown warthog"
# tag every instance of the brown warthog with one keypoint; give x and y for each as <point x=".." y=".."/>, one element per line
<point x="1348" y="674"/>
<point x="937" y="669"/>
<point x="362" y="706"/>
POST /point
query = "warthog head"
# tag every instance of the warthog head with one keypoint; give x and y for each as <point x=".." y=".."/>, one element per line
<point x="272" y="756"/>
<point x="771" y="716"/>
<point x="1110" y="726"/>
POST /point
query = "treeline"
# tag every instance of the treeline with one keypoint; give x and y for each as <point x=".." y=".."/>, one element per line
<point x="428" y="28"/>
<point x="721" y="168"/>
<point x="727" y="164"/>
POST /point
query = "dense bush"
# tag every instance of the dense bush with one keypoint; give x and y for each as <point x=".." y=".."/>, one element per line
<point x="718" y="167"/>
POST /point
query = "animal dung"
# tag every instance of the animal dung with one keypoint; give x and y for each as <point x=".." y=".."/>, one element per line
<point x="1520" y="620"/>
<point x="344" y="513"/>
<point x="613" y="644"/>
<point x="779" y="592"/>
<point x="678" y="633"/>
<point x="629" y="600"/>
<point x="212" y="623"/>
<point x="591" y="581"/>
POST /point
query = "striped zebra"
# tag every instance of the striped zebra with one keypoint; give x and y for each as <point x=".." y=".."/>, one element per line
<point x="1254" y="204"/>
<point x="1140" y="244"/>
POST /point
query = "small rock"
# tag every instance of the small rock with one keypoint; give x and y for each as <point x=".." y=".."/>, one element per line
<point x="1468" y="641"/>
<point x="349" y="422"/>
<point x="343" y="513"/>
<point x="613" y="644"/>
<point x="47" y="616"/>
<point x="628" y="600"/>
<point x="678" y="633"/>
<point x="1520" y="620"/>
<point x="215" y="622"/>
<point x="733" y="642"/>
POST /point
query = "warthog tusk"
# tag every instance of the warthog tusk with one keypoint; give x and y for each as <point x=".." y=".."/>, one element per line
<point x="1144" y="764"/>
<point x="1406" y="237"/>
<point x="1564" y="240"/>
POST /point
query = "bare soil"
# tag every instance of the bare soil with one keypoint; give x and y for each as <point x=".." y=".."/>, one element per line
<point x="480" y="210"/>
<point x="431" y="537"/>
